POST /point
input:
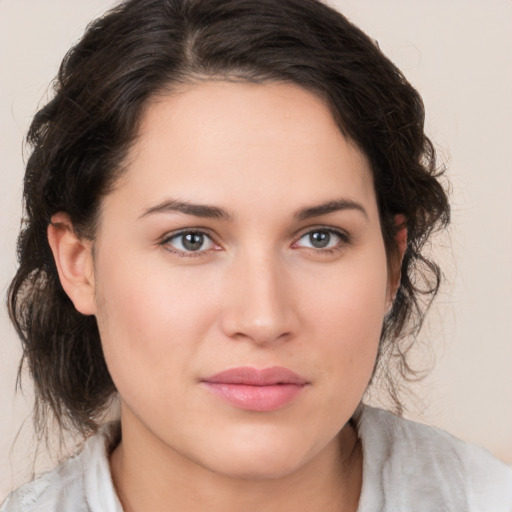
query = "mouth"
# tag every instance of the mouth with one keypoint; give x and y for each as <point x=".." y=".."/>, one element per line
<point x="261" y="390"/>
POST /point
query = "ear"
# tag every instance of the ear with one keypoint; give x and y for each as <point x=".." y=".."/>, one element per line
<point x="73" y="258"/>
<point x="396" y="265"/>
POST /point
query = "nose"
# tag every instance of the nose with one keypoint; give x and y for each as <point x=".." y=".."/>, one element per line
<point x="260" y="301"/>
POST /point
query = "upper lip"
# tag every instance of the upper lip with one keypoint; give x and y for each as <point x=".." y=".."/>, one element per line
<point x="257" y="377"/>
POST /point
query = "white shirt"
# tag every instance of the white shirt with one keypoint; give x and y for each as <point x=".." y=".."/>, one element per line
<point x="406" y="467"/>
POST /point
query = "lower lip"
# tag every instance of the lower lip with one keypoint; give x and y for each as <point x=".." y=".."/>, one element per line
<point x="256" y="398"/>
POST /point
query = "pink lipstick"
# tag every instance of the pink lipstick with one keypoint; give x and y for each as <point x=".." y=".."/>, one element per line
<point x="253" y="389"/>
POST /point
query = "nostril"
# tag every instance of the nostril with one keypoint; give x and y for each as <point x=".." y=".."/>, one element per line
<point x="259" y="305"/>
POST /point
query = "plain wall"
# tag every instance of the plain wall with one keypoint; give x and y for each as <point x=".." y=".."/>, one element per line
<point x="458" y="54"/>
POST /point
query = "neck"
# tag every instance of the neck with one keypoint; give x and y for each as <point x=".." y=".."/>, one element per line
<point x="151" y="476"/>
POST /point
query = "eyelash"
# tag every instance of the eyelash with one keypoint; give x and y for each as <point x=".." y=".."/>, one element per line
<point x="344" y="239"/>
<point x="165" y="242"/>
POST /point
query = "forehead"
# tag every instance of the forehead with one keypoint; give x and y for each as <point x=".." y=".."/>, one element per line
<point x="226" y="142"/>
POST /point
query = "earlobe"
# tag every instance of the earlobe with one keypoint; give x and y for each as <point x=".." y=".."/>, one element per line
<point x="73" y="258"/>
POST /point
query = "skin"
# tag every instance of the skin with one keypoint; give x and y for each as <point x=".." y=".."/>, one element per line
<point x="257" y="293"/>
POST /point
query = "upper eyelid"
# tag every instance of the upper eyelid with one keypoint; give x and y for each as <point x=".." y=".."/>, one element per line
<point x="174" y="234"/>
<point x="310" y="229"/>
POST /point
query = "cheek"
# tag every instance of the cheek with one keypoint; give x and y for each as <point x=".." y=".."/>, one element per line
<point x="351" y="299"/>
<point x="149" y="326"/>
<point x="347" y="312"/>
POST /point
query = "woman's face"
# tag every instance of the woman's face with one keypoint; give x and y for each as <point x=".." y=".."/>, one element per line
<point x="240" y="279"/>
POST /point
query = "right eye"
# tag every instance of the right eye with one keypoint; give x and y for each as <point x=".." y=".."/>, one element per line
<point x="188" y="242"/>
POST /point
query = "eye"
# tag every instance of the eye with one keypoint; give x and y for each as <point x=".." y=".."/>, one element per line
<point x="321" y="239"/>
<point x="189" y="242"/>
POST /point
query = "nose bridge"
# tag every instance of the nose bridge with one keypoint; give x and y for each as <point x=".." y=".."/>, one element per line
<point x="260" y="303"/>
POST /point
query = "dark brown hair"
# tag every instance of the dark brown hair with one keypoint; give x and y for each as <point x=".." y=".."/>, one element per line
<point x="146" y="47"/>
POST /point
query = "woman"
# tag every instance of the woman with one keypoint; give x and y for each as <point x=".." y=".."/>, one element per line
<point x="226" y="207"/>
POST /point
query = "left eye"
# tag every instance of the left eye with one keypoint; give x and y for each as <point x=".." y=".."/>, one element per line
<point x="320" y="239"/>
<point x="190" y="241"/>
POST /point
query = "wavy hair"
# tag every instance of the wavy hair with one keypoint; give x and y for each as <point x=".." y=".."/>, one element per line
<point x="80" y="138"/>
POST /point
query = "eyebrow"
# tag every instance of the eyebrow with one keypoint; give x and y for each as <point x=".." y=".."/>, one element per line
<point x="198" y="210"/>
<point x="214" y="212"/>
<point x="330" y="207"/>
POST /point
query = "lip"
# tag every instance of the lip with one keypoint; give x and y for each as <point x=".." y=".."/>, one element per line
<point x="254" y="389"/>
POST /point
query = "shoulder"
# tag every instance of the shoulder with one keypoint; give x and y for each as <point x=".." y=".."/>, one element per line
<point x="413" y="463"/>
<point x="81" y="483"/>
<point x="55" y="490"/>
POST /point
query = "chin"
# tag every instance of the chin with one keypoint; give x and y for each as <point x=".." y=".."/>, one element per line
<point x="258" y="468"/>
<point x="260" y="456"/>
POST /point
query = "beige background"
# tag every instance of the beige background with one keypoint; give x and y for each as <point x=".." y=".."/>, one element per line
<point x="458" y="53"/>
